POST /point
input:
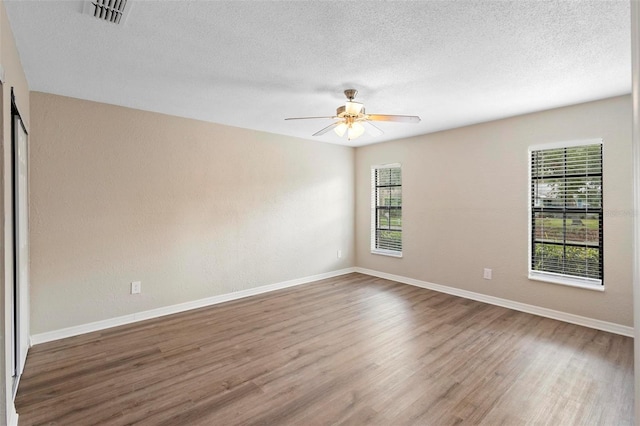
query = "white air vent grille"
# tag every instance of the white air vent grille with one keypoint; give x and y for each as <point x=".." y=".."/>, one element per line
<point x="114" y="11"/>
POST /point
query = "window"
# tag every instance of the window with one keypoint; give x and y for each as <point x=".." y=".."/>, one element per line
<point x="566" y="214"/>
<point x="386" y="210"/>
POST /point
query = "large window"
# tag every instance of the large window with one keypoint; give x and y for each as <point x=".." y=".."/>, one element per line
<point x="566" y="213"/>
<point x="386" y="210"/>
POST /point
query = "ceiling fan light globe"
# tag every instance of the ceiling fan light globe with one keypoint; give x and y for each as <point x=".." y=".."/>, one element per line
<point x="355" y="131"/>
<point x="340" y="129"/>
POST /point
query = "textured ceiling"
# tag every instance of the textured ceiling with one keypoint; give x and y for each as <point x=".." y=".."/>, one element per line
<point x="252" y="63"/>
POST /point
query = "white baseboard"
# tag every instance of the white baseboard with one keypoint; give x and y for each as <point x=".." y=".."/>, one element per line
<point x="182" y="307"/>
<point x="505" y="303"/>
<point x="49" y="336"/>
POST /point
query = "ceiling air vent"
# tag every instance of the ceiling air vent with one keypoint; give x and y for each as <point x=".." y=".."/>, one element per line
<point x="114" y="11"/>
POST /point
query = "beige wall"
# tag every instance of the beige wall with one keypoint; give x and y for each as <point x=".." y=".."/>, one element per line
<point x="465" y="198"/>
<point x="191" y="209"/>
<point x="195" y="209"/>
<point x="13" y="77"/>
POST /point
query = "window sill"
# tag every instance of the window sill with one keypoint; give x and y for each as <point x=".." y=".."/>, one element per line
<point x="390" y="253"/>
<point x="586" y="284"/>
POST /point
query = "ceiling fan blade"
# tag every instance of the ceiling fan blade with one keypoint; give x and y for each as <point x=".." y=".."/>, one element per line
<point x="372" y="130"/>
<point x="396" y="118"/>
<point x="307" y="118"/>
<point x="326" y="129"/>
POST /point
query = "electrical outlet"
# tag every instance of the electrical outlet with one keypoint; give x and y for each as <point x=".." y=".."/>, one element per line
<point x="339" y="254"/>
<point x="136" y="287"/>
<point x="487" y="274"/>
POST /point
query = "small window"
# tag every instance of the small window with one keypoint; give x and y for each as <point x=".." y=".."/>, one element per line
<point x="386" y="210"/>
<point x="566" y="214"/>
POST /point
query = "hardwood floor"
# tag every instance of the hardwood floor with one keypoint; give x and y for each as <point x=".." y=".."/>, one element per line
<point x="347" y="350"/>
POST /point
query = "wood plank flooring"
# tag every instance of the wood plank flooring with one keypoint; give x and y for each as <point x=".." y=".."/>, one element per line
<point x="350" y="350"/>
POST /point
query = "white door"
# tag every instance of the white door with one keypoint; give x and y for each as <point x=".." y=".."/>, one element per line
<point x="21" y="244"/>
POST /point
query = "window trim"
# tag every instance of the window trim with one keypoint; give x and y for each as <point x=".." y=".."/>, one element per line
<point x="373" y="223"/>
<point x="550" y="277"/>
<point x="568" y="280"/>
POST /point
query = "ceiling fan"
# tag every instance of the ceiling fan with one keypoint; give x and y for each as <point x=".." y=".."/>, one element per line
<point x="353" y="120"/>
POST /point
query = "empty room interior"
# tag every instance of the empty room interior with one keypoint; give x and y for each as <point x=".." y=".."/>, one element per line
<point x="319" y="213"/>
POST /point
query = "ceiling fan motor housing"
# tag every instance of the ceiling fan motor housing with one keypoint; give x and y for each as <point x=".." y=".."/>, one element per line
<point x="341" y="112"/>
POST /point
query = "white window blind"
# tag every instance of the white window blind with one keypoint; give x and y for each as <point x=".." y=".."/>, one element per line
<point x="566" y="212"/>
<point x="386" y="210"/>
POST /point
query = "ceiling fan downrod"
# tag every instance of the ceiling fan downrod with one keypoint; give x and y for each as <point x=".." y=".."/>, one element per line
<point x="351" y="94"/>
